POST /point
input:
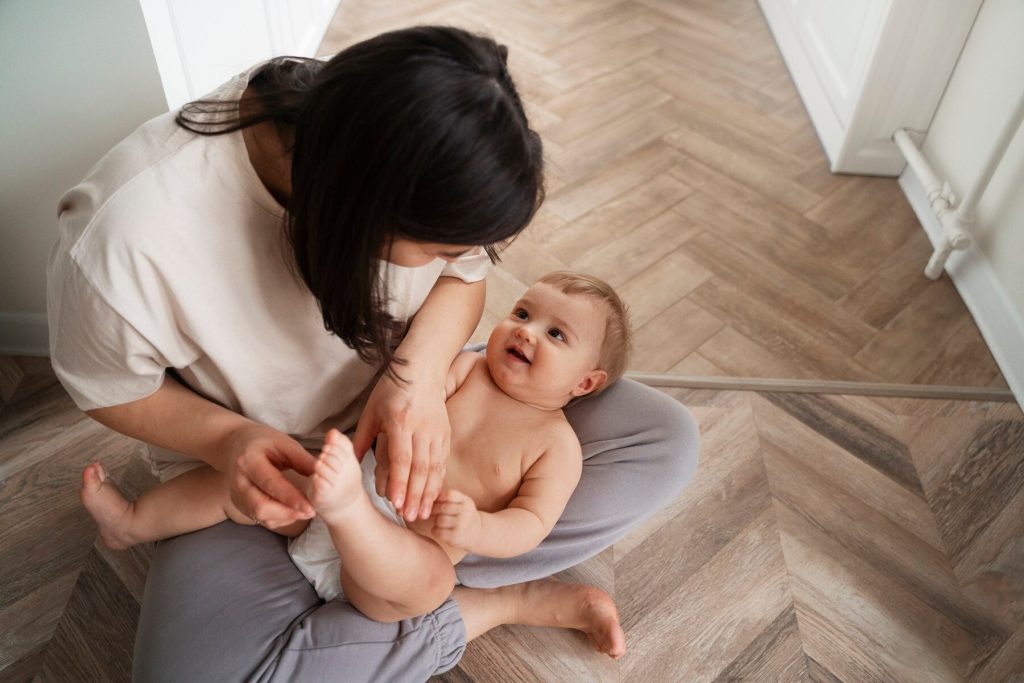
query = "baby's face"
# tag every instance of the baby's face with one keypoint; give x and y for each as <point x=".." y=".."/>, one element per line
<point x="546" y="351"/>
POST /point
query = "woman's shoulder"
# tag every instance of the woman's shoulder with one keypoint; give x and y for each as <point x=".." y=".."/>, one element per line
<point x="127" y="172"/>
<point x="160" y="167"/>
<point x="164" y="183"/>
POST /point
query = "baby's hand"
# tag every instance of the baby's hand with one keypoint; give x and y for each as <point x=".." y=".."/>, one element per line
<point x="456" y="520"/>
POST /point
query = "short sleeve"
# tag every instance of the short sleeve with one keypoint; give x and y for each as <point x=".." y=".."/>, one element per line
<point x="470" y="267"/>
<point x="99" y="357"/>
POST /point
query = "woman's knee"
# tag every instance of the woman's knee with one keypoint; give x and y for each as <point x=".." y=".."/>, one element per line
<point x="636" y="423"/>
<point x="680" y="441"/>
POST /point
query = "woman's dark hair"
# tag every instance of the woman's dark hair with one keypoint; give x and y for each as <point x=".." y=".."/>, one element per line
<point x="416" y="134"/>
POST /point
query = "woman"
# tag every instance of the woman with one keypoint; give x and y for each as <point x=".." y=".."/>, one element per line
<point x="303" y="249"/>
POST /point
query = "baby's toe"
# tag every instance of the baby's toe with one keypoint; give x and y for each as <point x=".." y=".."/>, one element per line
<point x="327" y="465"/>
<point x="93" y="476"/>
<point x="320" y="487"/>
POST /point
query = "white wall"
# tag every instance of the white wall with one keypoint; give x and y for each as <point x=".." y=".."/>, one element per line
<point x="988" y="81"/>
<point x="200" y="44"/>
<point x="75" y="78"/>
<point x="986" y="84"/>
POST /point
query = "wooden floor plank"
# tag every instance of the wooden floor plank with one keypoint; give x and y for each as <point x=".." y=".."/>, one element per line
<point x="776" y="655"/>
<point x="577" y="198"/>
<point x="671" y="336"/>
<point x="644" y="293"/>
<point x="614" y="218"/>
<point x="715" y="630"/>
<point x="776" y="250"/>
<point x="880" y="295"/>
<point x="96" y="634"/>
<point x="730" y="491"/>
<point x="915" y="575"/>
<point x="963" y="360"/>
<point x="1005" y="665"/>
<point x="913" y="339"/>
<point x="756" y="173"/>
<point x="752" y="315"/>
<point x="634" y="251"/>
<point x="839" y="468"/>
<point x="746" y="270"/>
<point x="28" y="622"/>
<point x="848" y="621"/>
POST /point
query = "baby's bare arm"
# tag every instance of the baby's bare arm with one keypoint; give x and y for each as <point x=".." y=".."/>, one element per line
<point x="538" y="504"/>
<point x="459" y="371"/>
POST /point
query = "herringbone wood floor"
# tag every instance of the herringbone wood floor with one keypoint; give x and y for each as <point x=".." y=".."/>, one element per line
<point x="683" y="169"/>
<point x="824" y="538"/>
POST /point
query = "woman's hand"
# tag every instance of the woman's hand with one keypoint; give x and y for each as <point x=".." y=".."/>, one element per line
<point x="415" y="439"/>
<point x="257" y="456"/>
<point x="251" y="455"/>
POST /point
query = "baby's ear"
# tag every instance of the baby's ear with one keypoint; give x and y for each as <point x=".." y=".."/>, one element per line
<point x="593" y="381"/>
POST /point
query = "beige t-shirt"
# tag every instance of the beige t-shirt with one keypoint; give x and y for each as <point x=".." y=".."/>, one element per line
<point x="171" y="255"/>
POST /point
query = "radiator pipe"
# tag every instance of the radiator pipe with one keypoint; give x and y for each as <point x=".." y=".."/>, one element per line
<point x="956" y="219"/>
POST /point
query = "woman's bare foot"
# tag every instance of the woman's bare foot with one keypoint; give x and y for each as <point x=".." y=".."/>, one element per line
<point x="547" y="602"/>
<point x="337" y="479"/>
<point x="108" y="507"/>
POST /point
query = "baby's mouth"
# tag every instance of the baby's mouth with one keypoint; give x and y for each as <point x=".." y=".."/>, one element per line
<point x="518" y="354"/>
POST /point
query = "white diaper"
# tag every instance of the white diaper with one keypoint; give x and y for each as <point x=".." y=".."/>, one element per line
<point x="313" y="551"/>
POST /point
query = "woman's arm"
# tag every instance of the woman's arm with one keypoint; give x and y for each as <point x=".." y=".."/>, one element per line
<point x="252" y="454"/>
<point x="412" y="414"/>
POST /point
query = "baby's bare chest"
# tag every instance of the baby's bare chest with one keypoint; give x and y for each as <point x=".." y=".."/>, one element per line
<point x="494" y="442"/>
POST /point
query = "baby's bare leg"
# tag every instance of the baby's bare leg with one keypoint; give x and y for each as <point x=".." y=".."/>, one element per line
<point x="546" y="602"/>
<point x="388" y="572"/>
<point x="194" y="500"/>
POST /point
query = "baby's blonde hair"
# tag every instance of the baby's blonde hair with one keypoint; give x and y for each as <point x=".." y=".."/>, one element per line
<point x="618" y="337"/>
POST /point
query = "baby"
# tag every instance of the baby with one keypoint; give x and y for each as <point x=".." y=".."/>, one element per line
<point x="514" y="461"/>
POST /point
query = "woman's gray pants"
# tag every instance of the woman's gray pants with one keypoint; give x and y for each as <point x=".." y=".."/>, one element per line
<point x="227" y="604"/>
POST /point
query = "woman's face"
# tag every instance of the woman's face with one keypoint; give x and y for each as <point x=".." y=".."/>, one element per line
<point x="412" y="254"/>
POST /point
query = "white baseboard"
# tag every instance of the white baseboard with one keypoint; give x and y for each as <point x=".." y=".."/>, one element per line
<point x="24" y="334"/>
<point x="1000" y="322"/>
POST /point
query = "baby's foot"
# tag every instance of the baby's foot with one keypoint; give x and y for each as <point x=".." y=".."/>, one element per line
<point x="579" y="606"/>
<point x="337" y="480"/>
<point x="107" y="506"/>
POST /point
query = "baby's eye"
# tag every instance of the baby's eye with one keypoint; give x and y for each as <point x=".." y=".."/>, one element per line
<point x="521" y="313"/>
<point x="556" y="333"/>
